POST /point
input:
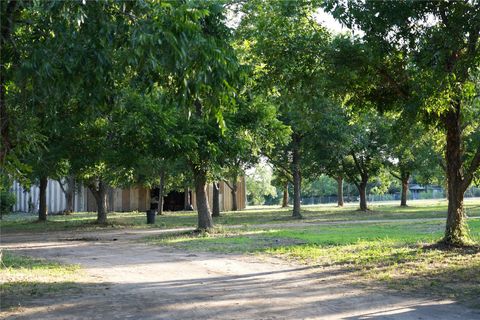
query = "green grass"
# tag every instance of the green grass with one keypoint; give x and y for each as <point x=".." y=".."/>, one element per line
<point x="274" y="215"/>
<point x="23" y="277"/>
<point x="400" y="255"/>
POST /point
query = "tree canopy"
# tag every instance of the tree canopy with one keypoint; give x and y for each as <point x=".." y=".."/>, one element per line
<point x="182" y="94"/>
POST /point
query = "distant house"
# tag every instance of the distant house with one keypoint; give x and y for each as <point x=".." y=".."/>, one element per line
<point x="119" y="200"/>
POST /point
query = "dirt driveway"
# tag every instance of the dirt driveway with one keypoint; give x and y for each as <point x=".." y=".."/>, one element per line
<point x="131" y="280"/>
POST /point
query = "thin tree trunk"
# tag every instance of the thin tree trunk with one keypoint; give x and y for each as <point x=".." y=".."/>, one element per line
<point x="340" y="191"/>
<point x="205" y="221"/>
<point x="69" y="197"/>
<point x="297" y="177"/>
<point x="68" y="189"/>
<point x="285" y="195"/>
<point x="403" y="200"/>
<point x="42" y="211"/>
<point x="161" y="188"/>
<point x="362" y="189"/>
<point x="186" y="199"/>
<point x="70" y="194"/>
<point x="234" y="195"/>
<point x="456" y="231"/>
<point x="100" y="194"/>
<point x="216" y="200"/>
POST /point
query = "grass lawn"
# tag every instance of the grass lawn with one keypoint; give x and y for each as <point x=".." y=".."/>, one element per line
<point x="399" y="255"/>
<point x="86" y="221"/>
<point x="23" y="277"/>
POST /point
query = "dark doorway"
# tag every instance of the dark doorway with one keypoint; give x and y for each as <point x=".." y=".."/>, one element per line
<point x="174" y="201"/>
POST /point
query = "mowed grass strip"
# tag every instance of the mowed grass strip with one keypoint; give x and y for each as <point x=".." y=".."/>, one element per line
<point x="23" y="277"/>
<point x="20" y="222"/>
<point x="402" y="255"/>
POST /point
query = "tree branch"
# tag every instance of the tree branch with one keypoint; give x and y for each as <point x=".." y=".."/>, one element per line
<point x="388" y="78"/>
<point x="357" y="164"/>
<point x="61" y="185"/>
<point x="278" y="165"/>
<point x="228" y="184"/>
<point x="395" y="175"/>
<point x="93" y="188"/>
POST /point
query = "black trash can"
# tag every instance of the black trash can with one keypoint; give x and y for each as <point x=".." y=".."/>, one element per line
<point x="151" y="216"/>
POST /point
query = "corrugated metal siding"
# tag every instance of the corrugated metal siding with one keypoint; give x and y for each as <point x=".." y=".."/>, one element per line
<point x="28" y="199"/>
<point x="119" y="200"/>
<point x="79" y="201"/>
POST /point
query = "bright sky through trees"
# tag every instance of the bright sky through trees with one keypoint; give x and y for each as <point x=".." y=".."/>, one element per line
<point x="329" y="22"/>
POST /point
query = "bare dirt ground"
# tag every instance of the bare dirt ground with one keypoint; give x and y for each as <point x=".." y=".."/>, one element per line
<point x="126" y="279"/>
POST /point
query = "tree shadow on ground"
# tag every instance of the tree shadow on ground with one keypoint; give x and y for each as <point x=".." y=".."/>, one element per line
<point x="286" y="294"/>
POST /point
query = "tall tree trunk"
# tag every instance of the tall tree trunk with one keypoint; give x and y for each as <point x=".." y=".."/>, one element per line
<point x="285" y="195"/>
<point x="234" y="195"/>
<point x="362" y="189"/>
<point x="69" y="197"/>
<point x="297" y="176"/>
<point x="161" y="189"/>
<point x="205" y="221"/>
<point x="100" y="194"/>
<point x="403" y="200"/>
<point x="186" y="199"/>
<point x="70" y="194"/>
<point x="456" y="231"/>
<point x="216" y="200"/>
<point x="68" y="189"/>
<point x="340" y="191"/>
<point x="42" y="211"/>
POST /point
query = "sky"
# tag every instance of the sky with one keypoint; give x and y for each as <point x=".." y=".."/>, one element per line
<point x="322" y="17"/>
<point x="327" y="20"/>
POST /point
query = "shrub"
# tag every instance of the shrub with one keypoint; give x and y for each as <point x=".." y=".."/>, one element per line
<point x="7" y="200"/>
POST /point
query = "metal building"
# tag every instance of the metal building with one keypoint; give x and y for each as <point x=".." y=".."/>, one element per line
<point x="127" y="199"/>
